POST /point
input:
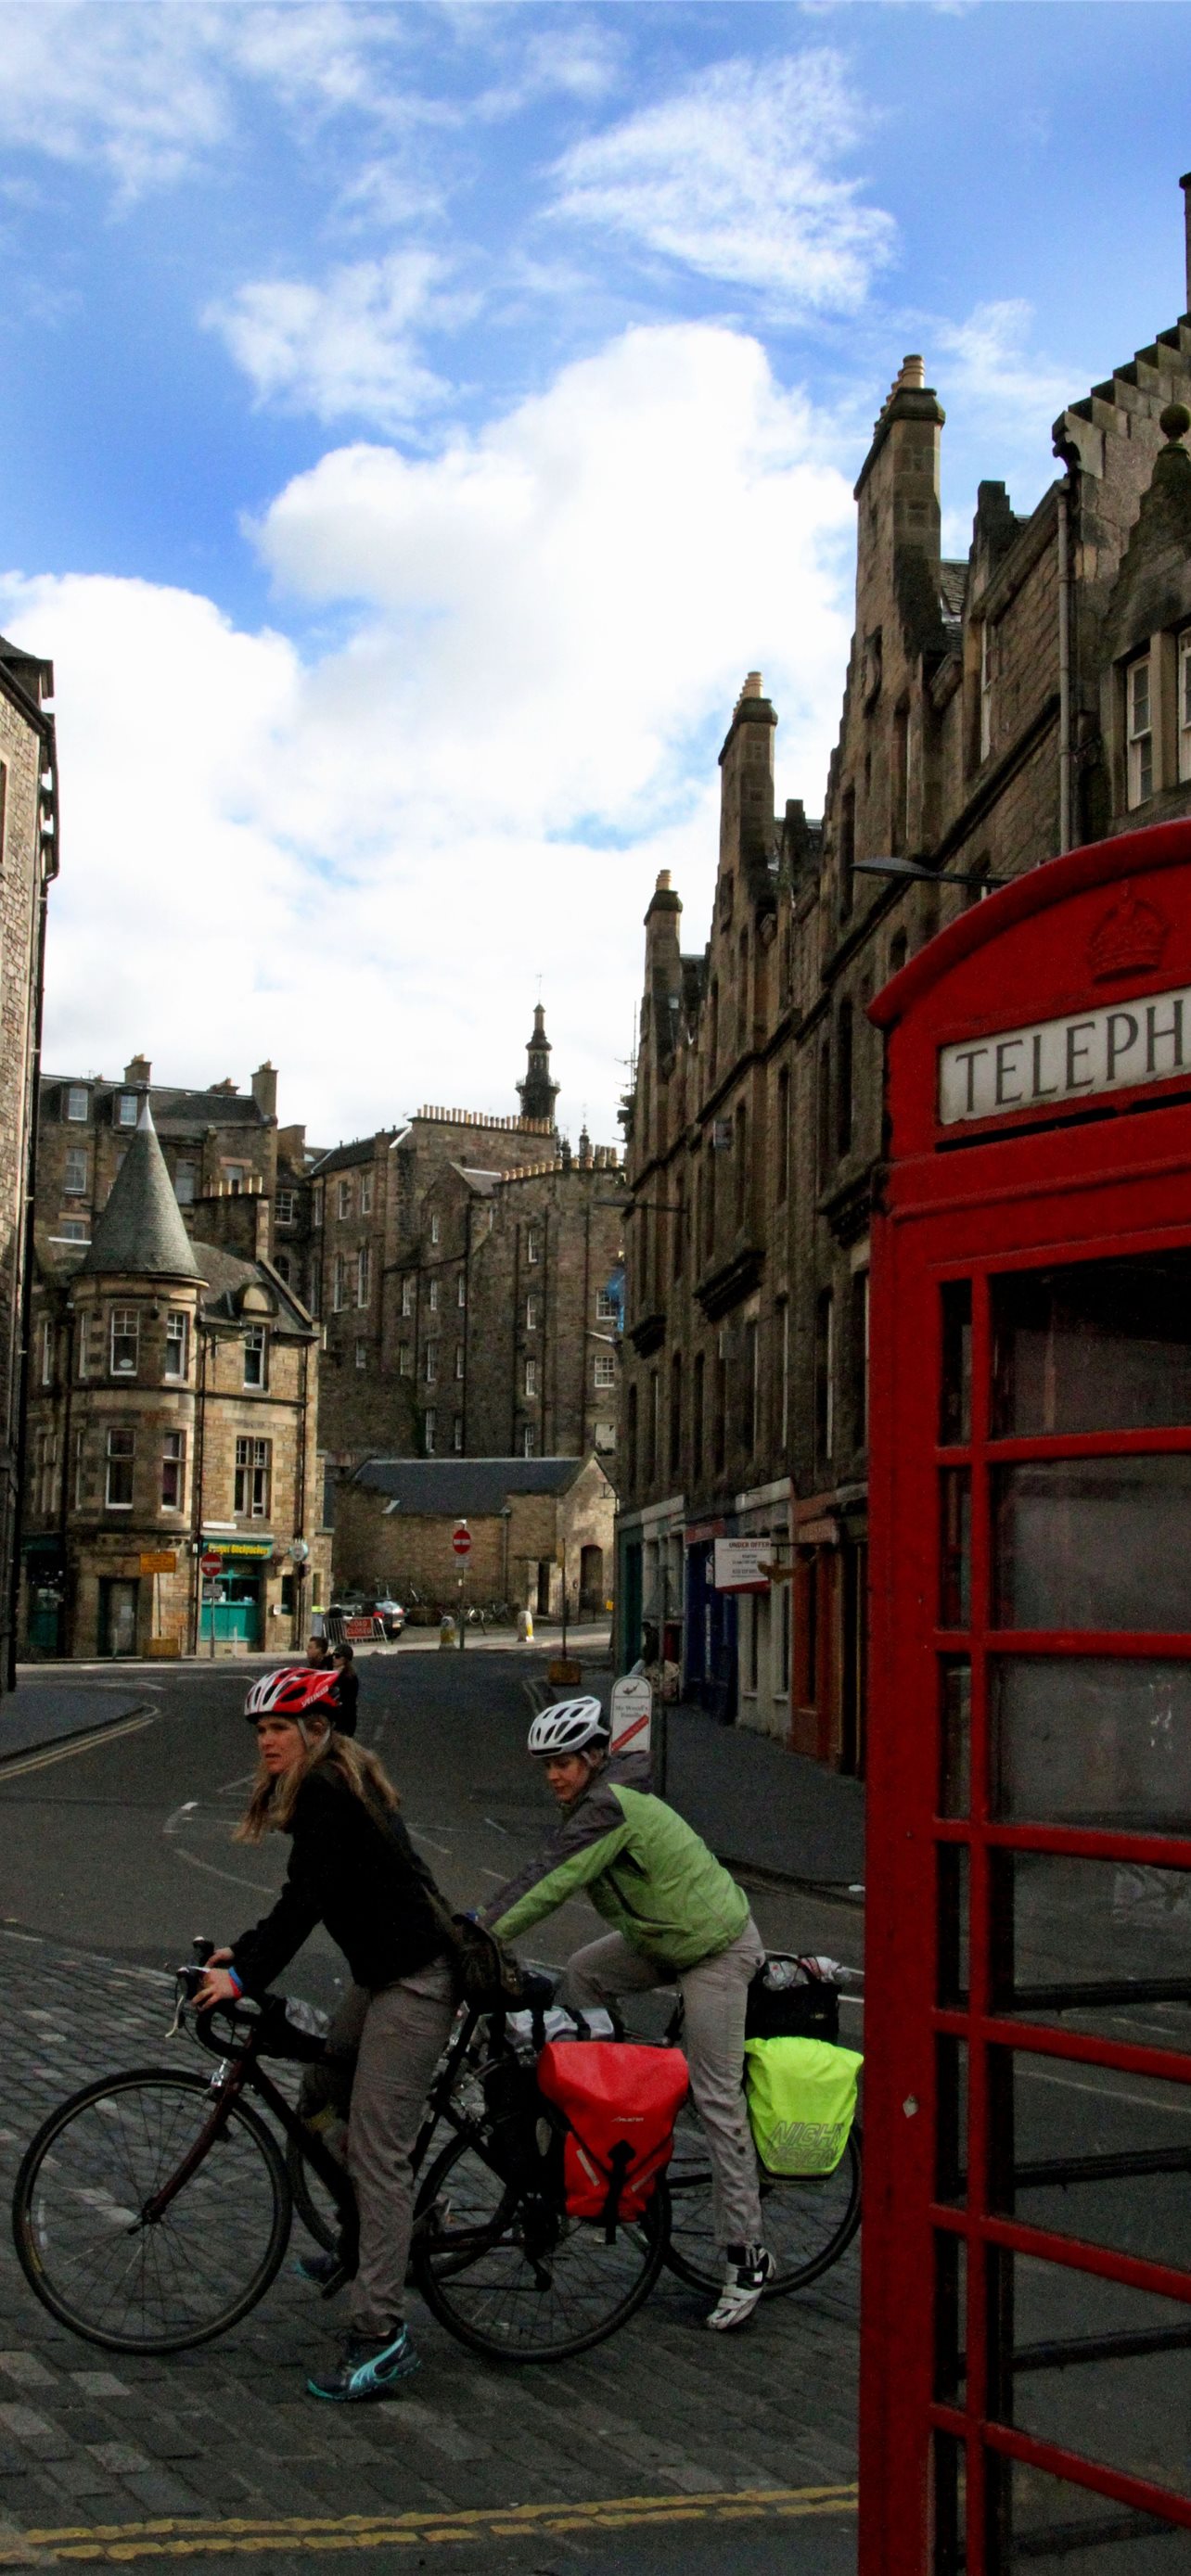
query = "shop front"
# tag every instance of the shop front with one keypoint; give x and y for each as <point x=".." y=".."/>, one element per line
<point x="1026" y="2380"/>
<point x="234" y="1604"/>
<point x="45" y="1596"/>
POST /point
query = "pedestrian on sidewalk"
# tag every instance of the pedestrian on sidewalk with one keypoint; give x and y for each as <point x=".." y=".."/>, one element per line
<point x="352" y="1868"/>
<point x="318" y="1653"/>
<point x="347" y="1689"/>
<point x="680" y="1919"/>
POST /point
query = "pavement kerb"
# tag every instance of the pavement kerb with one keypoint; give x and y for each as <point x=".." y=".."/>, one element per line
<point x="78" y="1737"/>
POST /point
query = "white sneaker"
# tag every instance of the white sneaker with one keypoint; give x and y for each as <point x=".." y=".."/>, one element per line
<point x="749" y="2268"/>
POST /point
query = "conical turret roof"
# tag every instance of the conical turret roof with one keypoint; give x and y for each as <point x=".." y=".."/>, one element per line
<point x="140" y="1233"/>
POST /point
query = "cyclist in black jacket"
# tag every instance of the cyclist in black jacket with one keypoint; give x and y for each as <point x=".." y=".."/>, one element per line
<point x="353" y="1868"/>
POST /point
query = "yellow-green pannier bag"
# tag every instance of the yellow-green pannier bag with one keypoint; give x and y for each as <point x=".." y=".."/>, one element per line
<point x="802" y="2102"/>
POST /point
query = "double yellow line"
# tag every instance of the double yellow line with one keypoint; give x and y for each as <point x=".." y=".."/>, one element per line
<point x="85" y="1743"/>
<point x="115" y="2544"/>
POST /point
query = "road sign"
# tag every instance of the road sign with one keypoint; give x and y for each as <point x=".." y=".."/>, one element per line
<point x="632" y="1714"/>
<point x="211" y="1566"/>
<point x="461" y="1540"/>
<point x="163" y="1561"/>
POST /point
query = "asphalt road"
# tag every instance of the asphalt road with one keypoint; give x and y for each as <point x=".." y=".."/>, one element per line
<point x="664" y="2449"/>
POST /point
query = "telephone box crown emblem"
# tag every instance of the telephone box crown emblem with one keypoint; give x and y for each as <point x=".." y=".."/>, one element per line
<point x="1129" y="940"/>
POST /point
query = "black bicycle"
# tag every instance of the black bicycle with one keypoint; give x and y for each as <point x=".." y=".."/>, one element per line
<point x="153" y="2209"/>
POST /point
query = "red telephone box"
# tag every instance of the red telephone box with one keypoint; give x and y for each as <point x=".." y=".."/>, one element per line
<point x="1026" y="2381"/>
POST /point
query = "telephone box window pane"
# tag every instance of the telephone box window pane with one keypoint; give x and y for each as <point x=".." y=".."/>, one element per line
<point x="955" y="1547"/>
<point x="951" y="2312"/>
<point x="949" y="2553"/>
<point x="955" y="1395"/>
<point x="951" y="2118"/>
<point x="955" y="1723"/>
<point x="1097" y="1346"/>
<point x="1089" y="2152"/>
<point x="1105" y="1943"/>
<point x="1053" y="2528"/>
<point x="1095" y="1543"/>
<point x="953" y="1923"/>
<point x="1091" y="1740"/>
<point x="1093" y="2367"/>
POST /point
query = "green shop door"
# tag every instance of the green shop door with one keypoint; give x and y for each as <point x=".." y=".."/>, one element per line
<point x="236" y="1609"/>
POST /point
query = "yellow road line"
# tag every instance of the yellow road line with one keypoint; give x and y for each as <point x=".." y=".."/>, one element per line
<point x="12" y="1770"/>
<point x="118" y="2543"/>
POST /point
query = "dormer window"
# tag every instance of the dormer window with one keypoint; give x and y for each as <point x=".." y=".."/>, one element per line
<point x="127" y="1106"/>
<point x="1139" y="731"/>
<point x="78" y="1103"/>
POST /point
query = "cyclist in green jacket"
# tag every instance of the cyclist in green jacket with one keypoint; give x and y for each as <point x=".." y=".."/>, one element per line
<point x="678" y="1918"/>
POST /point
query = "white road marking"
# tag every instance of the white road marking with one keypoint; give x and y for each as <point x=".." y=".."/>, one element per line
<point x="1072" y="2084"/>
<point x="208" y="1867"/>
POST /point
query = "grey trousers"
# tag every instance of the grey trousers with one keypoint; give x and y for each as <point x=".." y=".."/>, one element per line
<point x="403" y="2031"/>
<point x="713" y="1997"/>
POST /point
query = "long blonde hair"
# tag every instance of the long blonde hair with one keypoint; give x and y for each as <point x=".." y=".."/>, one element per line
<point x="273" y="1801"/>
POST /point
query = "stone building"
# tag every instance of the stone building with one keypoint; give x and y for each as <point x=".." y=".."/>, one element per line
<point x="998" y="709"/>
<point x="172" y="1413"/>
<point x="217" y="1142"/>
<point x="28" y="865"/>
<point x="461" y="1267"/>
<point x="538" y="1527"/>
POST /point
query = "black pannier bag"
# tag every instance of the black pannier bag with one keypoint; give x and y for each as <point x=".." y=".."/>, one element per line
<point x="804" y="2006"/>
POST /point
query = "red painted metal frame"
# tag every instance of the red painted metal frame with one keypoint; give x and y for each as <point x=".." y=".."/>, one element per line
<point x="1108" y="1177"/>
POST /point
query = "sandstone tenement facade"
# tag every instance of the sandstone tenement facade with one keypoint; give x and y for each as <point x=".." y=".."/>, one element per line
<point x="998" y="709"/>
<point x="539" y="1527"/>
<point x="28" y="864"/>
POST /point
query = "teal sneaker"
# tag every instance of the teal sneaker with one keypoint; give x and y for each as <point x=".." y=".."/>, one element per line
<point x="368" y="2367"/>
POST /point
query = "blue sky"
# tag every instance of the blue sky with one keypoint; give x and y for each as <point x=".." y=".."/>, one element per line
<point x="418" y="419"/>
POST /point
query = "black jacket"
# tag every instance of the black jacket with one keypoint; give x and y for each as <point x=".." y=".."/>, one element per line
<point x="354" y="1869"/>
<point x="347" y="1698"/>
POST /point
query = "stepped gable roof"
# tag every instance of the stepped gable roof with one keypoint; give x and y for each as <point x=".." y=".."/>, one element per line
<point x="463" y="1487"/>
<point x="226" y="1278"/>
<point x="140" y="1234"/>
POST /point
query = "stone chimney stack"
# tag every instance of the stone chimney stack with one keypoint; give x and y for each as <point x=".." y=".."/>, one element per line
<point x="1185" y="185"/>
<point x="139" y="1072"/>
<point x="264" y="1089"/>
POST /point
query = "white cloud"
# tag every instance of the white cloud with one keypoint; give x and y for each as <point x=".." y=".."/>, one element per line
<point x="345" y="348"/>
<point x="359" y="865"/>
<point x="733" y="175"/>
<point x="991" y="368"/>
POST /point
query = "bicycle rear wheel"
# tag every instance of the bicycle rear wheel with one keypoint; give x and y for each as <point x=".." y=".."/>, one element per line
<point x="516" y="2279"/>
<point x="163" y="2285"/>
<point x="806" y="2223"/>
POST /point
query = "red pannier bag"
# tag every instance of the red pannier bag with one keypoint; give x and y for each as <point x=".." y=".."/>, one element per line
<point x="620" y="2102"/>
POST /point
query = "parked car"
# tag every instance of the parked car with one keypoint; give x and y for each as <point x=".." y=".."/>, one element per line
<point x="391" y="1612"/>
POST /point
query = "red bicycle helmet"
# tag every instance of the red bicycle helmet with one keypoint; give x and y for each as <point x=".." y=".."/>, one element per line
<point x="293" y="1693"/>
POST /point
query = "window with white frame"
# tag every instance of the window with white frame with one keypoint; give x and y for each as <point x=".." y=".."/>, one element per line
<point x="361" y="1355"/>
<point x="283" y="1266"/>
<point x="461" y="1289"/>
<point x="531" y="1377"/>
<point x="405" y="1360"/>
<point x="78" y="1102"/>
<point x="345" y="1198"/>
<point x="433" y="1297"/>
<point x="605" y="1369"/>
<point x="1185" y="703"/>
<point x="124" y="1355"/>
<point x="173" y="1471"/>
<point x="531" y="1247"/>
<point x="72" y="1229"/>
<point x="121" y="1458"/>
<point x="236" y="1176"/>
<point x="338" y="1275"/>
<point x="74" y="1178"/>
<point x="1139" y="731"/>
<point x="185" y="1176"/>
<point x="47" y="1351"/>
<point x="407" y="1295"/>
<point x="43" y="1472"/>
<point x="365" y="1193"/>
<point x="254" y="1469"/>
<point x="435" y="1229"/>
<point x="531" y="1313"/>
<point x="528" y="1441"/>
<point x="316" y="1204"/>
<point x="457" y="1435"/>
<point x="287" y="1202"/>
<point x="255" y="1355"/>
<point x="987" y="660"/>
<point x="363" y="1274"/>
<point x="431" y="1363"/>
<point x="177" y="1338"/>
<point x="429" y="1429"/>
<point x="80" y="1469"/>
<point x="458" y="1359"/>
<point x="607" y="1310"/>
<point x="126" y="1109"/>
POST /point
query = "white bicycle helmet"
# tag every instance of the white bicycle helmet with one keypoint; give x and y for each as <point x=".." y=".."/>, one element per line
<point x="570" y="1726"/>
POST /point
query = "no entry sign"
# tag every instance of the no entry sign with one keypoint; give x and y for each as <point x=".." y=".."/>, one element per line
<point x="211" y="1566"/>
<point x="461" y="1540"/>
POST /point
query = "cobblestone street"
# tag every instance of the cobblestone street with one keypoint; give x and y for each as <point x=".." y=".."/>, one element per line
<point x="662" y="2445"/>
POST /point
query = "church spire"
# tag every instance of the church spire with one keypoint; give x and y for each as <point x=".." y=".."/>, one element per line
<point x="538" y="1093"/>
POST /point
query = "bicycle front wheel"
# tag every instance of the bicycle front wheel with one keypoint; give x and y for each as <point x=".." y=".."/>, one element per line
<point x="160" y="2284"/>
<point x="516" y="2279"/>
<point x="806" y="2223"/>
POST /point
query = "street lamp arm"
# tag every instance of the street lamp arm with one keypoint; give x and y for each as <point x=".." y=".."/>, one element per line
<point x="915" y="871"/>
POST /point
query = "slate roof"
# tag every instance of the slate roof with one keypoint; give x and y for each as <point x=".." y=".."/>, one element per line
<point x="344" y="1158"/>
<point x="139" y="1233"/>
<point x="464" y="1487"/>
<point x="953" y="587"/>
<point x="175" y="1112"/>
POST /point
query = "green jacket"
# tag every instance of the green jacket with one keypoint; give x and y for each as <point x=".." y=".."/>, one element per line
<point x="645" y="1870"/>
